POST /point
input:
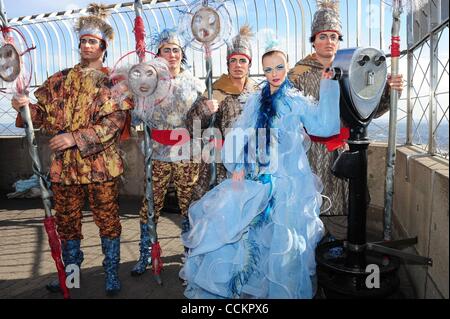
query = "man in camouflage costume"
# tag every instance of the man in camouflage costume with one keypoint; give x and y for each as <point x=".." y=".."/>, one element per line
<point x="326" y="33"/>
<point x="76" y="108"/>
<point x="229" y="96"/>
<point x="169" y="137"/>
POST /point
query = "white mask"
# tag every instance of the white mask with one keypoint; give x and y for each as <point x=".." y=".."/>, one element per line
<point x="205" y="25"/>
<point x="9" y="63"/>
<point x="143" y="80"/>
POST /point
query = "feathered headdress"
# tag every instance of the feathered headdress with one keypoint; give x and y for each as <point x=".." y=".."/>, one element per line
<point x="328" y="4"/>
<point x="95" y="24"/>
<point x="241" y="43"/>
<point x="326" y="17"/>
<point x="166" y="36"/>
<point x="272" y="44"/>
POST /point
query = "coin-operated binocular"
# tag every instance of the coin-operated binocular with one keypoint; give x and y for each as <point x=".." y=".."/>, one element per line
<point x="362" y="73"/>
<point x="342" y="265"/>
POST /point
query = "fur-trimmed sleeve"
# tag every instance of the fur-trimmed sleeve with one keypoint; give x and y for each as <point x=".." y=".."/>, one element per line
<point x="198" y="112"/>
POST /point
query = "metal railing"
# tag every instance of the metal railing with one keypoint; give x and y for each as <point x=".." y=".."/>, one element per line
<point x="290" y="21"/>
<point x="428" y="93"/>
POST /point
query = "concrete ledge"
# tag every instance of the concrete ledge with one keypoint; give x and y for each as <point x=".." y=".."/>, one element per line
<point x="15" y="162"/>
<point x="421" y="189"/>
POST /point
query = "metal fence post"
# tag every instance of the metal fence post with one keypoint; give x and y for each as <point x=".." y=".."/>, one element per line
<point x="409" y="106"/>
<point x="434" y="46"/>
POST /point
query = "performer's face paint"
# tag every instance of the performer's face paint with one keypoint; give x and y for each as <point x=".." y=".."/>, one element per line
<point x="238" y="66"/>
<point x="326" y="44"/>
<point x="172" y="54"/>
<point x="90" y="49"/>
<point x="142" y="80"/>
<point x="275" y="69"/>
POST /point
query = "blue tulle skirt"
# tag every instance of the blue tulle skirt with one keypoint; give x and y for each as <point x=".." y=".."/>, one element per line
<point x="254" y="239"/>
<point x="257" y="238"/>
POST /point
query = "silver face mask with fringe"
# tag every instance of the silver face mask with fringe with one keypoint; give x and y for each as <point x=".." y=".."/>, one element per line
<point x="10" y="64"/>
<point x="149" y="83"/>
<point x="143" y="80"/>
<point x="205" y="25"/>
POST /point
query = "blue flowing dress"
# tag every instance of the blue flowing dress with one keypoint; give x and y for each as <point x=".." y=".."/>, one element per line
<point x="256" y="238"/>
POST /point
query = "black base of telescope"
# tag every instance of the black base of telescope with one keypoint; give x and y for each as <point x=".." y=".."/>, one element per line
<point x="342" y="274"/>
<point x="355" y="268"/>
<point x="347" y="269"/>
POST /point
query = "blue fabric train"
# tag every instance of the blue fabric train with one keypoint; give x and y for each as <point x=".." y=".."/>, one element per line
<point x="256" y="238"/>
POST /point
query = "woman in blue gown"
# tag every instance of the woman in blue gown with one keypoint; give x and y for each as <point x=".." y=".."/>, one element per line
<point x="254" y="235"/>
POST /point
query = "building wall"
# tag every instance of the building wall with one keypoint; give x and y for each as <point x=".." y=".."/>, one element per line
<point x="420" y="210"/>
<point x="420" y="201"/>
<point x="15" y="162"/>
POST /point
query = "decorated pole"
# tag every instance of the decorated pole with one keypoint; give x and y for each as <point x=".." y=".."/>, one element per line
<point x="139" y="32"/>
<point x="206" y="26"/>
<point x="209" y="76"/>
<point x="390" y="160"/>
<point x="49" y="221"/>
<point x="206" y="36"/>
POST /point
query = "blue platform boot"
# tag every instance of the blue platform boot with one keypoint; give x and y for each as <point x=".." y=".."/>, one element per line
<point x="145" y="258"/>
<point x="185" y="227"/>
<point x="111" y="250"/>
<point x="71" y="254"/>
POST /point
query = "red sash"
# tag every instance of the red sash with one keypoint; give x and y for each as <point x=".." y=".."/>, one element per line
<point x="333" y="142"/>
<point x="164" y="137"/>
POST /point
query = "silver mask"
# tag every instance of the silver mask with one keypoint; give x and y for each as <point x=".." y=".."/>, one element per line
<point x="9" y="63"/>
<point x="205" y="25"/>
<point x="143" y="80"/>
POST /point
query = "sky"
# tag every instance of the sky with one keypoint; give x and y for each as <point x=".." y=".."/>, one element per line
<point x="18" y="8"/>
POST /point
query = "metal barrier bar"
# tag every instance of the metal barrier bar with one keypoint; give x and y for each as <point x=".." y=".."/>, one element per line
<point x="409" y="123"/>
<point x="432" y="117"/>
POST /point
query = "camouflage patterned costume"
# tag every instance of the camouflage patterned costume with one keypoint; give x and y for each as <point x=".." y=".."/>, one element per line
<point x="102" y="201"/>
<point x="306" y="77"/>
<point x="184" y="176"/>
<point x="78" y="100"/>
<point x="231" y="101"/>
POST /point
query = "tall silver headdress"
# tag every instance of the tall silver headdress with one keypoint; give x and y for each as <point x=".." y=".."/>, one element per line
<point x="327" y="17"/>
